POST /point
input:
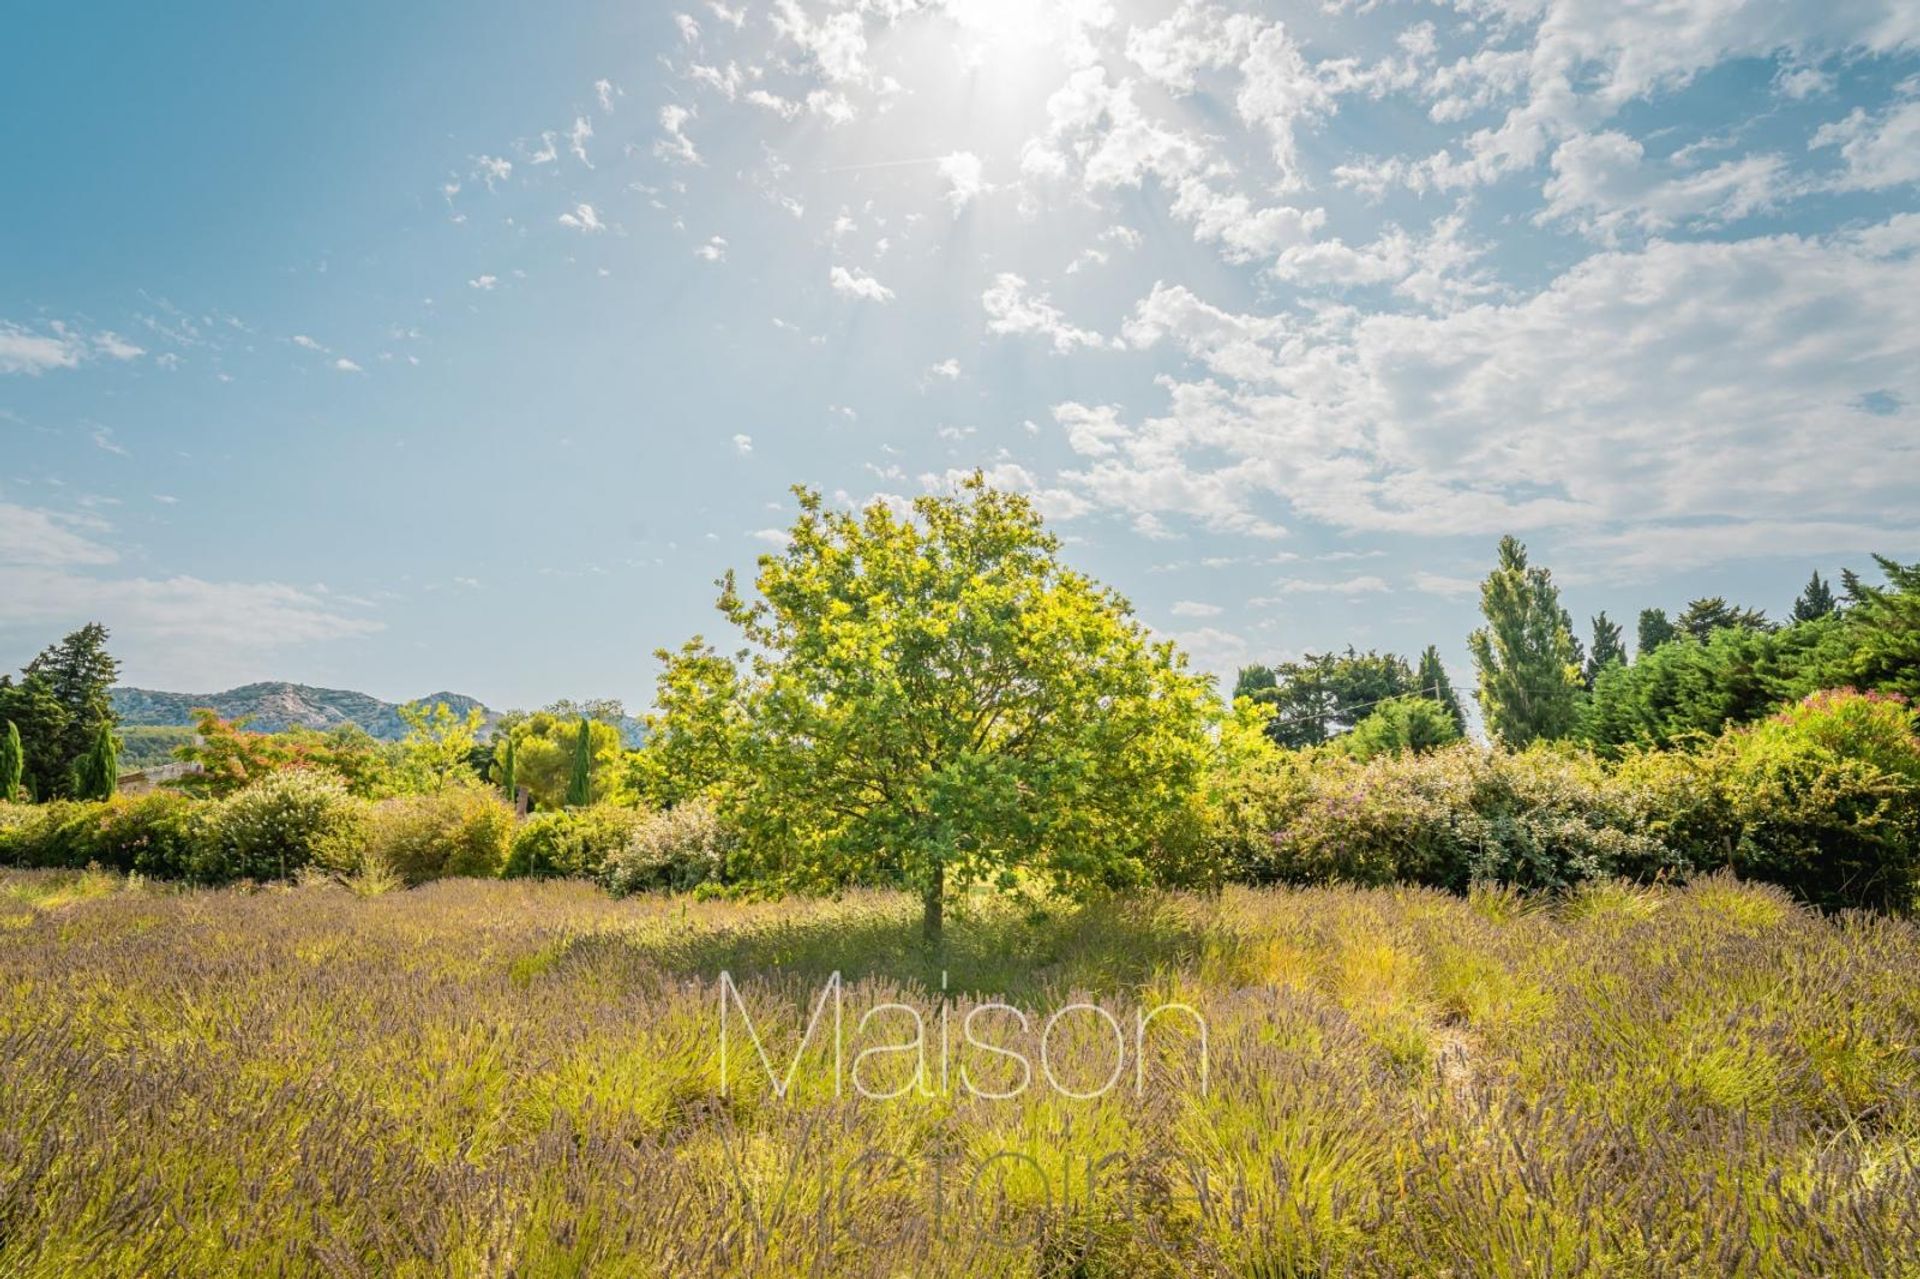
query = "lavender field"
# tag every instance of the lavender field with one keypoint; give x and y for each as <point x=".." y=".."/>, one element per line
<point x="523" y="1078"/>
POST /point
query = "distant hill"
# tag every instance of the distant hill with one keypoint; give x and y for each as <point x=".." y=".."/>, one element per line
<point x="274" y="706"/>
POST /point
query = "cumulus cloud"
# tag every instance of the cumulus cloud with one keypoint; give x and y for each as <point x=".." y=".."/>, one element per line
<point x="59" y="346"/>
<point x="1012" y="310"/>
<point x="1878" y="150"/>
<point x="856" y="283"/>
<point x="583" y="218"/>
<point x="676" y="145"/>
<point x="961" y="172"/>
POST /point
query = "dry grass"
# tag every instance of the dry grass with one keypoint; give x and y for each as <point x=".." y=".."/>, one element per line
<point x="481" y="1078"/>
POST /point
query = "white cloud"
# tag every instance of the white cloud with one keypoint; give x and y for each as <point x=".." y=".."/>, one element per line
<point x="604" y="91"/>
<point x="24" y="350"/>
<point x="1604" y="182"/>
<point x="1010" y="309"/>
<point x="856" y="283"/>
<point x="743" y="445"/>
<point x="1879" y="151"/>
<point x="1192" y="608"/>
<point x="1244" y="233"/>
<point x="837" y="44"/>
<point x="577" y="139"/>
<point x="344" y="365"/>
<point x="714" y="250"/>
<point x="961" y="172"/>
<point x="307" y="343"/>
<point x="485" y="283"/>
<point x="948" y="369"/>
<point x="1279" y="90"/>
<point x="1365" y="585"/>
<point x="583" y="218"/>
<point x="1197" y="36"/>
<point x="676" y="145"/>
<point x="41" y="538"/>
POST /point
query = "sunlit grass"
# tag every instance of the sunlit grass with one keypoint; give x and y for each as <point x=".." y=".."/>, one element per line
<point x="484" y="1078"/>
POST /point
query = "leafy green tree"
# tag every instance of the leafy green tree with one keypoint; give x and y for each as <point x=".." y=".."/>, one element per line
<point x="696" y="724"/>
<point x="1654" y="630"/>
<point x="509" y="782"/>
<point x="580" y="782"/>
<point x="1401" y="725"/>
<point x="1816" y="601"/>
<point x="543" y="751"/>
<point x="12" y="764"/>
<point x="437" y="751"/>
<point x="1323" y="694"/>
<point x="1608" y="647"/>
<point x="44" y="724"/>
<point x="1529" y="677"/>
<point x="97" y="775"/>
<point x="1431" y="681"/>
<point x="935" y="700"/>
<point x="1705" y="616"/>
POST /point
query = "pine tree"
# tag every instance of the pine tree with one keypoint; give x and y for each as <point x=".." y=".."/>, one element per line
<point x="1654" y="630"/>
<point x="580" y="785"/>
<point x="75" y="675"/>
<point x="1431" y="681"/>
<point x="1815" y="602"/>
<point x="97" y="775"/>
<point x="1529" y="680"/>
<point x="1608" y="647"/>
<point x="1704" y="617"/>
<point x="13" y="762"/>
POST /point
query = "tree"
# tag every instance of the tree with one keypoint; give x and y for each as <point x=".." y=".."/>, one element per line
<point x="1705" y="616"/>
<point x="1608" y="648"/>
<point x="934" y="700"/>
<point x="1401" y="725"/>
<point x="1323" y="694"/>
<point x="508" y="781"/>
<point x="580" y="783"/>
<point x="439" y="746"/>
<point x="12" y="764"/>
<point x="692" y="733"/>
<point x="1529" y="679"/>
<point x="1654" y="631"/>
<point x="1883" y="629"/>
<point x="231" y="758"/>
<point x="543" y="746"/>
<point x="1816" y="601"/>
<point x="1431" y="681"/>
<point x="97" y="775"/>
<point x="44" y="725"/>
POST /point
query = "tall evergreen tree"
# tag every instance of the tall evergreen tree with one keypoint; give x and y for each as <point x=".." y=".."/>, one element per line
<point x="1431" y="681"/>
<point x="580" y="784"/>
<point x="1324" y="694"/>
<point x="1654" y="630"/>
<point x="13" y="762"/>
<point x="97" y="775"/>
<point x="509" y="781"/>
<point x="1525" y="655"/>
<point x="1815" y="602"/>
<point x="77" y="672"/>
<point x="1705" y="616"/>
<point x="1884" y="628"/>
<point x="43" y="724"/>
<point x="1608" y="647"/>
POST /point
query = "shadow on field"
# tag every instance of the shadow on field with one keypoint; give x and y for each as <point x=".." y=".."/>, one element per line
<point x="1104" y="947"/>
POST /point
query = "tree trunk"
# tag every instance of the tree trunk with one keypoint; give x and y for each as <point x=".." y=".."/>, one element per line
<point x="935" y="904"/>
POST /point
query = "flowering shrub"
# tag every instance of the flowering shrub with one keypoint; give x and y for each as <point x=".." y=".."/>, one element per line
<point x="281" y="824"/>
<point x="1824" y="798"/>
<point x="676" y="851"/>
<point x="463" y="830"/>
<point x="571" y="841"/>
<point x="151" y="834"/>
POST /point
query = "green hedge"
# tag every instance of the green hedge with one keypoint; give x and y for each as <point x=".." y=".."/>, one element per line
<point x="464" y="830"/>
<point x="571" y="841"/>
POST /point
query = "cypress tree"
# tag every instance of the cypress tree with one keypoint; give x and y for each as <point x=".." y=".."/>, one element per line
<point x="13" y="762"/>
<point x="580" y="785"/>
<point x="97" y="775"/>
<point x="508" y="781"/>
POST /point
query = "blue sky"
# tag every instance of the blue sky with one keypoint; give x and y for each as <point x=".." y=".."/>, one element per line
<point x="463" y="346"/>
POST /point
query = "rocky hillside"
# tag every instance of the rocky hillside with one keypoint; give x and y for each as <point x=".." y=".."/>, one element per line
<point x="274" y="706"/>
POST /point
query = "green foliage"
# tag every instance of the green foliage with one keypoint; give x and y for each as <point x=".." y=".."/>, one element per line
<point x="695" y="728"/>
<point x="77" y="674"/>
<point x="1816" y="601"/>
<point x="281" y="824"/>
<point x="1654" y="630"/>
<point x="1526" y="658"/>
<point x="1325" y="694"/>
<point x="1540" y="818"/>
<point x="1705" y="616"/>
<point x="459" y="830"/>
<point x="97" y="774"/>
<point x="1431" y="680"/>
<point x="1608" y="648"/>
<point x="937" y="702"/>
<point x="231" y="758"/>
<point x="1826" y="799"/>
<point x="144" y="746"/>
<point x="43" y="723"/>
<point x="571" y="841"/>
<point x="677" y="851"/>
<point x="509" y="776"/>
<point x="1399" y="725"/>
<point x="580" y="780"/>
<point x="438" y="749"/>
<point x="150" y="835"/>
<point x="13" y="762"/>
<point x="544" y="746"/>
<point x="1883" y="632"/>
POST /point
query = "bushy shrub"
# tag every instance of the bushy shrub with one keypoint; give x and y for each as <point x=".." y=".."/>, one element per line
<point x="672" y="851"/>
<point x="1824" y="799"/>
<point x="571" y="841"/>
<point x="1540" y="818"/>
<point x="281" y="824"/>
<point x="152" y="835"/>
<point x="463" y="830"/>
<point x="1399" y="725"/>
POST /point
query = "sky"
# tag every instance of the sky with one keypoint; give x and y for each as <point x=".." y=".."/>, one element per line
<point x="463" y="346"/>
